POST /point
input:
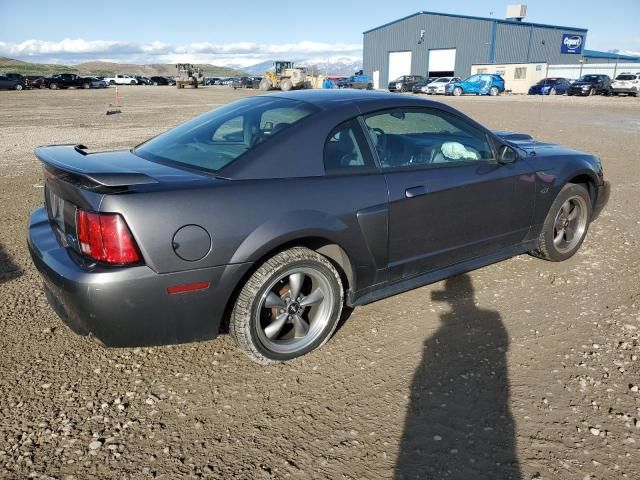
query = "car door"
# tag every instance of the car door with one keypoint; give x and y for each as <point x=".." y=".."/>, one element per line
<point x="449" y="199"/>
<point x="4" y="82"/>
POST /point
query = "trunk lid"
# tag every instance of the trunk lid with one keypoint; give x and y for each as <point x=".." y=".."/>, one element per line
<point x="77" y="179"/>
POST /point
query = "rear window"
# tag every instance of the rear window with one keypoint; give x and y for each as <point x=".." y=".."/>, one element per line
<point x="212" y="141"/>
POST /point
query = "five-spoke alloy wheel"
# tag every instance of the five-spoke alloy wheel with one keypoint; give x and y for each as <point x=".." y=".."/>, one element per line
<point x="566" y="224"/>
<point x="288" y="307"/>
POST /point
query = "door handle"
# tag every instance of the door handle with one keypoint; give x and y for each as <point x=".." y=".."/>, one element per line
<point x="415" y="191"/>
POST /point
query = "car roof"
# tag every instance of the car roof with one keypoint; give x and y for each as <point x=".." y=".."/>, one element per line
<point x="332" y="98"/>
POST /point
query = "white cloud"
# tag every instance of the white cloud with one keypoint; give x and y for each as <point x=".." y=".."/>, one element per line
<point x="241" y="54"/>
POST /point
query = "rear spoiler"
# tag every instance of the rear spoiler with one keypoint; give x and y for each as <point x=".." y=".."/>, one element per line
<point x="73" y="161"/>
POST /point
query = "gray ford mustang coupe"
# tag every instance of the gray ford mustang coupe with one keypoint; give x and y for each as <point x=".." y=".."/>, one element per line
<point x="273" y="212"/>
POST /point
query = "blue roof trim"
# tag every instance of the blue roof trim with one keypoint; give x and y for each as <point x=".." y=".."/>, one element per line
<point x="610" y="55"/>
<point x="487" y="19"/>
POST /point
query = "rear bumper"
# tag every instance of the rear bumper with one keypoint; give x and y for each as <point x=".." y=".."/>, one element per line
<point x="624" y="90"/>
<point x="128" y="307"/>
<point x="602" y="198"/>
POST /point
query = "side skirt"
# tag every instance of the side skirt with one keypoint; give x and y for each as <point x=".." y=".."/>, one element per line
<point x="405" y="285"/>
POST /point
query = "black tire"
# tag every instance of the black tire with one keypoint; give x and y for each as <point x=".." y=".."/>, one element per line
<point x="18" y="87"/>
<point x="246" y="324"/>
<point x="404" y="89"/>
<point x="592" y="92"/>
<point x="155" y="84"/>
<point x="112" y="82"/>
<point x="265" y="85"/>
<point x="286" y="85"/>
<point x="553" y="91"/>
<point x="547" y="248"/>
<point x="494" y="92"/>
<point x="457" y="91"/>
<point x="86" y="86"/>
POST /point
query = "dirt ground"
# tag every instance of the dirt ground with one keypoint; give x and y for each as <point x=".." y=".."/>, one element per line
<point x="523" y="369"/>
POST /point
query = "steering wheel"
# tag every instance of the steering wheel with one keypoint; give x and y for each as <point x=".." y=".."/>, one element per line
<point x="381" y="140"/>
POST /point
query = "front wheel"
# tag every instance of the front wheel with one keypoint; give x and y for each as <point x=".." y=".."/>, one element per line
<point x="289" y="306"/>
<point x="457" y="91"/>
<point x="286" y="85"/>
<point x="86" y="86"/>
<point x="566" y="224"/>
<point x="18" y="87"/>
<point x="53" y="86"/>
<point x="553" y="91"/>
<point x="493" y="91"/>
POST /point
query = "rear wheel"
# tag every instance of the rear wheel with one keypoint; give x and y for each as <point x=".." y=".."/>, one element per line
<point x="404" y="89"/>
<point x="155" y="84"/>
<point x="86" y="85"/>
<point x="457" y="91"/>
<point x="566" y="224"/>
<point x="53" y="86"/>
<point x="18" y="87"/>
<point x="592" y="92"/>
<point x="289" y="306"/>
<point x="112" y="82"/>
<point x="493" y="91"/>
<point x="553" y="91"/>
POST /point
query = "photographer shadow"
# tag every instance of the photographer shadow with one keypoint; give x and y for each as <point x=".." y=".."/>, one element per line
<point x="459" y="424"/>
<point x="8" y="269"/>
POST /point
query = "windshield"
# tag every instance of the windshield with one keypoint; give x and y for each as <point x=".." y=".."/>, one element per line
<point x="626" y="77"/>
<point x="442" y="80"/>
<point x="399" y="79"/>
<point x="589" y="78"/>
<point x="548" y="81"/>
<point x="213" y="140"/>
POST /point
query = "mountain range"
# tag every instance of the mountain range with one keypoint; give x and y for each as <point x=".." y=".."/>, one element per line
<point x="337" y="66"/>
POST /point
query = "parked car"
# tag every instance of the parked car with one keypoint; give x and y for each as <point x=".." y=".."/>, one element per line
<point x="140" y="80"/>
<point x="591" y="84"/>
<point x="39" y="82"/>
<point x="241" y="82"/>
<point x="405" y="83"/>
<point x="478" y="84"/>
<point x="7" y="83"/>
<point x="626" y="83"/>
<point x="439" y="85"/>
<point x="68" y="80"/>
<point x="145" y="246"/>
<point x="121" y="80"/>
<point x="421" y="87"/>
<point x="157" y="80"/>
<point x="359" y="82"/>
<point x="550" y="86"/>
<point x="30" y="80"/>
<point x="17" y="76"/>
<point x="97" y="82"/>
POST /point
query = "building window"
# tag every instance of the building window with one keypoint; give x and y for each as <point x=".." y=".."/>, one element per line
<point x="483" y="70"/>
<point x="520" y="73"/>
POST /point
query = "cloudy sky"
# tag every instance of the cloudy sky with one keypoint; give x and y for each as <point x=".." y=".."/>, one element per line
<point x="246" y="33"/>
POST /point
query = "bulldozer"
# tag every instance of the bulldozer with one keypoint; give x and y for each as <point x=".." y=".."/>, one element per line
<point x="188" y="74"/>
<point x="285" y="77"/>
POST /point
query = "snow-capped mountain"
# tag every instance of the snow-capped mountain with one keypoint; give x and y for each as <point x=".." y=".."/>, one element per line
<point x="338" y="66"/>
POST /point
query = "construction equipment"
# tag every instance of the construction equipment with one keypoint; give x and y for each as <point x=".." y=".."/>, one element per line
<point x="285" y="77"/>
<point x="189" y="74"/>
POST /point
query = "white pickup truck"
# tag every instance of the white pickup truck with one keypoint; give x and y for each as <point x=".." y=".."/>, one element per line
<point x="121" y="80"/>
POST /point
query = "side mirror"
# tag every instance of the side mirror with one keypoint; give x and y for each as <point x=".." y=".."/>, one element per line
<point x="506" y="154"/>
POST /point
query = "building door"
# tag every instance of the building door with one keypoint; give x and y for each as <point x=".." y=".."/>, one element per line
<point x="376" y="79"/>
<point x="442" y="62"/>
<point x="399" y="64"/>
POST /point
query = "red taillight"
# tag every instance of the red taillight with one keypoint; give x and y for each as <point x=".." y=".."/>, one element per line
<point x="105" y="237"/>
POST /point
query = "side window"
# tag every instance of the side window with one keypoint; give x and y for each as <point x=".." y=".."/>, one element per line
<point x="230" y="131"/>
<point x="345" y="150"/>
<point x="409" y="138"/>
<point x="276" y="119"/>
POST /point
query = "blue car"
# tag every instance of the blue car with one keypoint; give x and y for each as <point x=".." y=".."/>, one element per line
<point x="550" y="86"/>
<point x="478" y="84"/>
